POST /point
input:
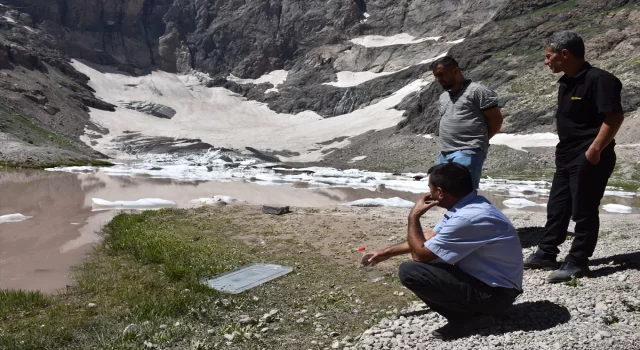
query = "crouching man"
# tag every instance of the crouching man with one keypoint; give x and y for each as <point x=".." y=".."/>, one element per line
<point x="469" y="267"/>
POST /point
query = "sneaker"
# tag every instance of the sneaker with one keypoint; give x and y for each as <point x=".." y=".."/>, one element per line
<point x="568" y="271"/>
<point x="536" y="262"/>
<point x="458" y="329"/>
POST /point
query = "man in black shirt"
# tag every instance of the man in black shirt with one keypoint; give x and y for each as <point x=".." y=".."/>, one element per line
<point x="589" y="115"/>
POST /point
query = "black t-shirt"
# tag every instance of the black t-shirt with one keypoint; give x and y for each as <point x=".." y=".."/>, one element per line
<point x="583" y="101"/>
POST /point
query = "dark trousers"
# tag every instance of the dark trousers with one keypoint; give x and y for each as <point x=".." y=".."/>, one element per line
<point x="576" y="191"/>
<point x="453" y="293"/>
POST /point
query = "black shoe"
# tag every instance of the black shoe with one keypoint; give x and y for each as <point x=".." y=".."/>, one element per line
<point x="457" y="329"/>
<point x="567" y="272"/>
<point x="535" y="262"/>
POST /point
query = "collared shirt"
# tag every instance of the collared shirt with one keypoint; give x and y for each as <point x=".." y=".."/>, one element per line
<point x="462" y="121"/>
<point x="481" y="241"/>
<point x="583" y="101"/>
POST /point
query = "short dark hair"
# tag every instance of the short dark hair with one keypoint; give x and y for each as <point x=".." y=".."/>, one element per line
<point x="566" y="39"/>
<point x="453" y="178"/>
<point x="446" y="61"/>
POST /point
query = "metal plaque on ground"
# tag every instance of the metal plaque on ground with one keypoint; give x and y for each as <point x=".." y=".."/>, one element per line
<point x="247" y="277"/>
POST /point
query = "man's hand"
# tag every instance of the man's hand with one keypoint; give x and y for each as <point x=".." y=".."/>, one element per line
<point x="593" y="156"/>
<point x="374" y="258"/>
<point x="422" y="206"/>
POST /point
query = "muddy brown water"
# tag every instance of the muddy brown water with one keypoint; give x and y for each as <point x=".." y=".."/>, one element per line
<point x="38" y="253"/>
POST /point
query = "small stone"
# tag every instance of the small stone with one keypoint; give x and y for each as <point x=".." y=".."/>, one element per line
<point x="246" y="320"/>
<point x="387" y="335"/>
<point x="264" y="330"/>
<point x="401" y="294"/>
<point x="604" y="334"/>
<point x="601" y="306"/>
<point x="622" y="278"/>
<point x="211" y="331"/>
<point x="92" y="305"/>
<point x="255" y="298"/>
<point x="247" y="335"/>
<point x="347" y="339"/>
<point x="130" y="329"/>
<point x="229" y="337"/>
<point x="177" y="324"/>
<point x="300" y="320"/>
<point x="318" y="315"/>
<point x="557" y="346"/>
<point x="275" y="209"/>
<point x="336" y="345"/>
<point x="163" y="326"/>
<point x="334" y="334"/>
<point x="597" y="337"/>
<point x="149" y="345"/>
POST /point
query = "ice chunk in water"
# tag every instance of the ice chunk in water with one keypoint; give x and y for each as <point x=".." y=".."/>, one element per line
<point x="617" y="208"/>
<point x="216" y="199"/>
<point x="519" y="203"/>
<point x="13" y="218"/>
<point x="143" y="204"/>
<point x="382" y="202"/>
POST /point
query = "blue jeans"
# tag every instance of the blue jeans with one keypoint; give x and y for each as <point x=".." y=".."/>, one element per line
<point x="473" y="159"/>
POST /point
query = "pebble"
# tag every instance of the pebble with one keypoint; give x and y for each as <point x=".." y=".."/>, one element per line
<point x="130" y="329"/>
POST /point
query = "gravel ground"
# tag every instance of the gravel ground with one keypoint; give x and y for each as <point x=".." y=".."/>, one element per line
<point x="598" y="312"/>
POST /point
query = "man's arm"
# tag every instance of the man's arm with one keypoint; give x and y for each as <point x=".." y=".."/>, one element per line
<point x="394" y="250"/>
<point x="608" y="131"/>
<point x="607" y="96"/>
<point x="494" y="120"/>
<point x="416" y="239"/>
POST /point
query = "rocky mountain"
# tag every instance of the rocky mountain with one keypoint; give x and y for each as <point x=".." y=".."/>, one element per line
<point x="327" y="57"/>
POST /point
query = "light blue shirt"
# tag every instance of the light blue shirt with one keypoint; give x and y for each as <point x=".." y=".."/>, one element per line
<point x="481" y="241"/>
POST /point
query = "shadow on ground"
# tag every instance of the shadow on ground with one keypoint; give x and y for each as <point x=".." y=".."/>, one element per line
<point x="530" y="316"/>
<point x="615" y="263"/>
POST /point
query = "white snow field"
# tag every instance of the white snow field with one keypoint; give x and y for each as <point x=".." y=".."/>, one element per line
<point x="222" y="118"/>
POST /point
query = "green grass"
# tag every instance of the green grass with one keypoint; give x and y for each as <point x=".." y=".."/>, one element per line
<point x="148" y="271"/>
<point x="44" y="165"/>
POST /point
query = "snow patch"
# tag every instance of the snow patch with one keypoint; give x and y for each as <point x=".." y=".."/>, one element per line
<point x="429" y="60"/>
<point x="455" y="41"/>
<point x="520" y="203"/>
<point x="398" y="39"/>
<point x="381" y="202"/>
<point x="358" y="158"/>
<point x="13" y="218"/>
<point x="519" y="141"/>
<point x="9" y="19"/>
<point x="617" y="208"/>
<point x="275" y="78"/>
<point x="141" y="204"/>
<point x="349" y="79"/>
